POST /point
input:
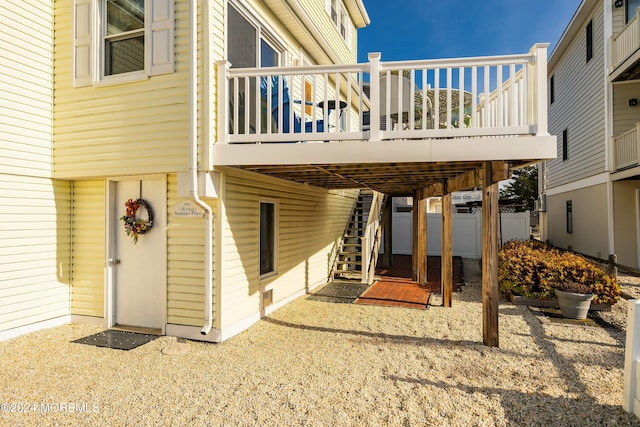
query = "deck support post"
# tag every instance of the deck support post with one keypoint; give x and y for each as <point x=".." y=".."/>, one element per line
<point x="387" y="227"/>
<point x="419" y="257"/>
<point x="446" y="253"/>
<point x="490" y="296"/>
<point x="414" y="238"/>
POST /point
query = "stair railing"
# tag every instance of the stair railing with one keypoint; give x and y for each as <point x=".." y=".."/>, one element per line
<point x="371" y="238"/>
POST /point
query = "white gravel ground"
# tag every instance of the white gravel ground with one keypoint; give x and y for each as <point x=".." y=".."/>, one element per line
<point x="317" y="363"/>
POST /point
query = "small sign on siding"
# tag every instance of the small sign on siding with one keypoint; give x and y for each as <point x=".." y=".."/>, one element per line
<point x="187" y="210"/>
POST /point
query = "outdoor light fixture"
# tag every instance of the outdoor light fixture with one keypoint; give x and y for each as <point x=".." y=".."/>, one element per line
<point x="619" y="3"/>
<point x="633" y="102"/>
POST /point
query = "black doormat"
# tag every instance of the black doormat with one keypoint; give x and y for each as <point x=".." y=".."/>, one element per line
<point x="119" y="340"/>
<point x="339" y="292"/>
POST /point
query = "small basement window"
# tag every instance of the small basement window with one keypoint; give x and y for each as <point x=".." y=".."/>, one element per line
<point x="267" y="238"/>
<point x="589" y="40"/>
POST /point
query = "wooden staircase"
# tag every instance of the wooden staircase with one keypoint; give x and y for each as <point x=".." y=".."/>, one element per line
<point x="359" y="247"/>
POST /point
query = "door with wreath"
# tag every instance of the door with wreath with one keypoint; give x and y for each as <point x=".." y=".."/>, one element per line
<point x="138" y="262"/>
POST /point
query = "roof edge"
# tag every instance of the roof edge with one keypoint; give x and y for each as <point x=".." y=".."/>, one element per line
<point x="358" y="13"/>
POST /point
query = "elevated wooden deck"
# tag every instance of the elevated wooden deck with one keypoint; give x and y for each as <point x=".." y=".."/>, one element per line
<point x="393" y="127"/>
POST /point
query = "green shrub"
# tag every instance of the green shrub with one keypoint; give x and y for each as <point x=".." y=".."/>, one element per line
<point x="532" y="269"/>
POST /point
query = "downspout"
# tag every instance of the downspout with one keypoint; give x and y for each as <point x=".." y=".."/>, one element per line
<point x="193" y="166"/>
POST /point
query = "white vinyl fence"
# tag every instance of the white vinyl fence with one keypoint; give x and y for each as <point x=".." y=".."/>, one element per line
<point x="630" y="402"/>
<point x="466" y="230"/>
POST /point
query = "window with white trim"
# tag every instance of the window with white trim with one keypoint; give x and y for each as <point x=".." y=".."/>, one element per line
<point x="121" y="40"/>
<point x="334" y="11"/>
<point x="268" y="213"/>
<point x="249" y="43"/>
<point x="341" y="19"/>
<point x="124" y="36"/>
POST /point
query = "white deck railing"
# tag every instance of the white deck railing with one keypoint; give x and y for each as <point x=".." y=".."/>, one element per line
<point x="468" y="97"/>
<point x="625" y="43"/>
<point x="626" y="148"/>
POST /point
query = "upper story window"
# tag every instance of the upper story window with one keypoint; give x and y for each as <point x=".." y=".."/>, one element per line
<point x="340" y="18"/>
<point x="589" y="35"/>
<point x="344" y="24"/>
<point x="116" y="41"/>
<point x="631" y="7"/>
<point x="334" y="11"/>
<point x="124" y="38"/>
<point x="552" y="90"/>
<point x="565" y="145"/>
<point x="248" y="44"/>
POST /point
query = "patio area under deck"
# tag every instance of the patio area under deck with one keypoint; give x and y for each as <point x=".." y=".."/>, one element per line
<point x="420" y="128"/>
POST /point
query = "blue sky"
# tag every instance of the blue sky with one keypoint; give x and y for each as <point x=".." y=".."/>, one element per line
<point x="427" y="29"/>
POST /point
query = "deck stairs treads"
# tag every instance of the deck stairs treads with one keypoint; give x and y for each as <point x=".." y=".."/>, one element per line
<point x="349" y="260"/>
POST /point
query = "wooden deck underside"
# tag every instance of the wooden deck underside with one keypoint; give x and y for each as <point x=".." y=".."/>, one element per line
<point x="396" y="168"/>
<point x="394" y="179"/>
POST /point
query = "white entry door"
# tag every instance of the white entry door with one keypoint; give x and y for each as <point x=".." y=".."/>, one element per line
<point x="139" y="269"/>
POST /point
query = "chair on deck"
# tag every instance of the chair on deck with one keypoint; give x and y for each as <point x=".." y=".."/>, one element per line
<point x="286" y="105"/>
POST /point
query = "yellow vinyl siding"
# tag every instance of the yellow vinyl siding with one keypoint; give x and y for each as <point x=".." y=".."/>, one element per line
<point x="87" y="296"/>
<point x="35" y="211"/>
<point x="140" y="127"/>
<point x="318" y="14"/>
<point x="185" y="261"/>
<point x="216" y="51"/>
<point x="26" y="37"/>
<point x="35" y="224"/>
<point x="310" y="221"/>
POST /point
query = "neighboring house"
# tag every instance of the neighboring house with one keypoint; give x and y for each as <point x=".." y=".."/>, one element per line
<point x="591" y="191"/>
<point x="198" y="110"/>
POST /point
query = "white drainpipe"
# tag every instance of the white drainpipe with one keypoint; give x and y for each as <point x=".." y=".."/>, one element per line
<point x="193" y="166"/>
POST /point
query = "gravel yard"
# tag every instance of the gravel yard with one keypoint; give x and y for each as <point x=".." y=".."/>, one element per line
<point x="319" y="363"/>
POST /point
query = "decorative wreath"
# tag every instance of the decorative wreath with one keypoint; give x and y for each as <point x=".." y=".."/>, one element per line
<point x="134" y="226"/>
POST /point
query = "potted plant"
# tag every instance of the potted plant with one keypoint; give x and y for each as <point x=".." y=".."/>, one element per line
<point x="574" y="299"/>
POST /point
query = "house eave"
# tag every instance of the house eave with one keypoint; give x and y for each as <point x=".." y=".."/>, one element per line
<point x="358" y="13"/>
